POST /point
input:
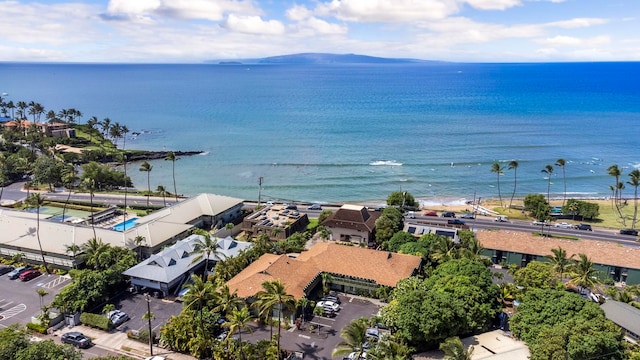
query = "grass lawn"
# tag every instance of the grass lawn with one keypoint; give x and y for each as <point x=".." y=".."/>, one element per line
<point x="608" y="217"/>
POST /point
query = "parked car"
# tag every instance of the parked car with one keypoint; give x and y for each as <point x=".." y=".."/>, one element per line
<point x="633" y="232"/>
<point x="450" y="214"/>
<point x="328" y="312"/>
<point x="76" y="339"/>
<point x="373" y="333"/>
<point x="333" y="298"/>
<point x="430" y="213"/>
<point x="455" y="222"/>
<point x="17" y="271"/>
<point x="291" y="207"/>
<point x="586" y="227"/>
<point x="29" y="274"/>
<point x="467" y="215"/>
<point x="328" y="304"/>
<point x="118" y="317"/>
<point x="411" y="215"/>
<point x="563" y="225"/>
<point x="354" y="356"/>
<point x="315" y="207"/>
<point x="5" y="269"/>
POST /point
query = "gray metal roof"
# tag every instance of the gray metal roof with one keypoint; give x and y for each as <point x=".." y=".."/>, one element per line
<point x="624" y="315"/>
<point x="176" y="260"/>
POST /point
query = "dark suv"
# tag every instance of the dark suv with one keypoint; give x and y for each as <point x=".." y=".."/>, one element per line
<point x="450" y="214"/>
<point x="76" y="339"/>
<point x="633" y="232"/>
<point x="584" y="227"/>
<point x="455" y="222"/>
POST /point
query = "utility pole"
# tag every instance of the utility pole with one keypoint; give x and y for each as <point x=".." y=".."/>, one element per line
<point x="148" y="298"/>
<point x="260" y="189"/>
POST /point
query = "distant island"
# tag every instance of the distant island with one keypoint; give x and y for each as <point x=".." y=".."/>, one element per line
<point x="323" y="59"/>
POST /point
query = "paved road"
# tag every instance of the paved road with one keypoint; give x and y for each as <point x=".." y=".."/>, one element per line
<point x="14" y="192"/>
<point x="485" y="222"/>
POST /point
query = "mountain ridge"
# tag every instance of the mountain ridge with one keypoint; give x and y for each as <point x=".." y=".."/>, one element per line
<point x="324" y="59"/>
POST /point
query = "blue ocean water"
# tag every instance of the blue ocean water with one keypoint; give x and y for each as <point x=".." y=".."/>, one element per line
<point x="358" y="132"/>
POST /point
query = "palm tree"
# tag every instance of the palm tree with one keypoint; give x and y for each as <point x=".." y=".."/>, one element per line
<point x="354" y="335"/>
<point x="163" y="191"/>
<point x="454" y="349"/>
<point x="615" y="171"/>
<point x="73" y="249"/>
<point x="205" y="246"/>
<point x="499" y="170"/>
<point x="171" y="156"/>
<point x="93" y="248"/>
<point x="227" y="301"/>
<point x="583" y="274"/>
<point x="69" y="178"/>
<point x="199" y="295"/>
<point x="513" y="164"/>
<point x="302" y="303"/>
<point x="123" y="131"/>
<point x="562" y="163"/>
<point x="90" y="184"/>
<point x="42" y="293"/>
<point x="548" y="169"/>
<point x="274" y="294"/>
<point x="146" y="167"/>
<point x="634" y="181"/>
<point x="238" y="320"/>
<point x="138" y="241"/>
<point x="326" y="280"/>
<point x="444" y="250"/>
<point x="560" y="261"/>
<point x="36" y="201"/>
<point x="506" y="294"/>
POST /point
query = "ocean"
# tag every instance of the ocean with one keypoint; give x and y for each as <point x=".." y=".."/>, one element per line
<point x="355" y="133"/>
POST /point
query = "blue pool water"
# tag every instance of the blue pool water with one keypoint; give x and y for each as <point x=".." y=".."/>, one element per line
<point x="125" y="225"/>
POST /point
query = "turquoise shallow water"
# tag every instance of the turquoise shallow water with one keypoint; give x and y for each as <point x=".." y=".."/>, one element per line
<point x="356" y="133"/>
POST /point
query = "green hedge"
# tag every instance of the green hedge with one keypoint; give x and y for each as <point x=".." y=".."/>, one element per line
<point x="37" y="328"/>
<point x="96" y="321"/>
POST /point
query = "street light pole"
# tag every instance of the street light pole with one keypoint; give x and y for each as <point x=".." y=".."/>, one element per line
<point x="148" y="298"/>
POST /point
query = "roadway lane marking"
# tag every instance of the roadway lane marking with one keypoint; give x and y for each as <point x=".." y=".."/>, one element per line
<point x="55" y="282"/>
<point x="13" y="311"/>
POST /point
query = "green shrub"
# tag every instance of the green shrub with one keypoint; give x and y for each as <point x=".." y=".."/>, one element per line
<point x="37" y="328"/>
<point x="96" y="321"/>
<point x="143" y="336"/>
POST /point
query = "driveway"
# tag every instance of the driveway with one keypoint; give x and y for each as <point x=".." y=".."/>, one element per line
<point x="318" y="346"/>
<point x="135" y="306"/>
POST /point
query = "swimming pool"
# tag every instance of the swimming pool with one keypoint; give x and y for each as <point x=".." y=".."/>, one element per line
<point x="125" y="225"/>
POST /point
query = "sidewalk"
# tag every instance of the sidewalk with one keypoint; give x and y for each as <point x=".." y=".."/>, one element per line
<point x="118" y="342"/>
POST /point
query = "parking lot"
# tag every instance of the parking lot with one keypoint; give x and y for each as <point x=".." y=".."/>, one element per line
<point x="19" y="300"/>
<point x="135" y="306"/>
<point x="318" y="346"/>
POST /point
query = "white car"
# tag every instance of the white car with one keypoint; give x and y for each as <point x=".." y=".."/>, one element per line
<point x="540" y="223"/>
<point x="328" y="304"/>
<point x="563" y="225"/>
<point x="354" y="356"/>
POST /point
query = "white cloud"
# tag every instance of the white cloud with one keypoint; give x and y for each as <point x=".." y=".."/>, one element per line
<point x="182" y="9"/>
<point x="575" y="41"/>
<point x="578" y="23"/>
<point x="253" y="25"/>
<point x="387" y="10"/>
<point x="493" y="4"/>
<point x="298" y="13"/>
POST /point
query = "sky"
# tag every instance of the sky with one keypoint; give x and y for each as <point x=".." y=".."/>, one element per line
<point x="193" y="31"/>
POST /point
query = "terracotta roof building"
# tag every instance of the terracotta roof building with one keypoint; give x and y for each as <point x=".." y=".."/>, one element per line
<point x="352" y="223"/>
<point x="353" y="269"/>
<point x="620" y="262"/>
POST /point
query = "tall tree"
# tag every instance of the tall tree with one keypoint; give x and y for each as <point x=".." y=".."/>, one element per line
<point x="72" y="249"/>
<point x="513" y="165"/>
<point x="146" y="167"/>
<point x="498" y="170"/>
<point x="634" y="180"/>
<point x="69" y="178"/>
<point x="36" y="201"/>
<point x="89" y="183"/>
<point x="548" y="169"/>
<point x="275" y="294"/>
<point x="205" y="246"/>
<point x="163" y="191"/>
<point x="560" y="261"/>
<point x="227" y="302"/>
<point x="353" y="335"/>
<point x="171" y="156"/>
<point x="238" y="320"/>
<point x="583" y="273"/>
<point x="562" y="163"/>
<point x="614" y="170"/>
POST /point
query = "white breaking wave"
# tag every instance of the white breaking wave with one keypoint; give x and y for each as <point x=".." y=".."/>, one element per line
<point x="385" y="163"/>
